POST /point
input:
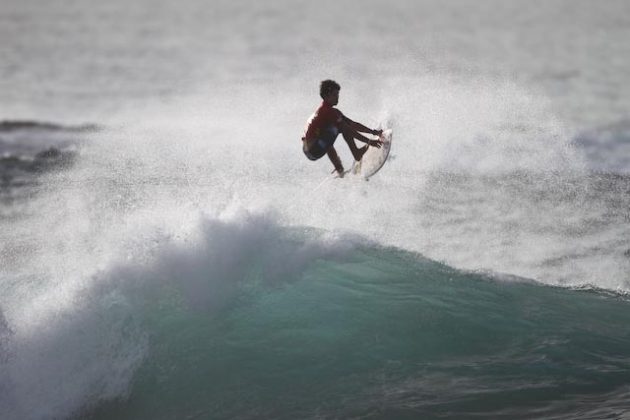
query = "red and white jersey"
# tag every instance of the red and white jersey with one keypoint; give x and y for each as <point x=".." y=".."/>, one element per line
<point x="326" y="116"/>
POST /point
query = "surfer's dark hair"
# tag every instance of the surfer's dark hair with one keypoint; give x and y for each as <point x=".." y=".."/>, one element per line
<point x="327" y="86"/>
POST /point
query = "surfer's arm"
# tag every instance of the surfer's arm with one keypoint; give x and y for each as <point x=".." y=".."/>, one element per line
<point x="349" y="125"/>
<point x="360" y="128"/>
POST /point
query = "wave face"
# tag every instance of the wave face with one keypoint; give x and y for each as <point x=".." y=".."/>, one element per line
<point x="372" y="333"/>
<point x="245" y="318"/>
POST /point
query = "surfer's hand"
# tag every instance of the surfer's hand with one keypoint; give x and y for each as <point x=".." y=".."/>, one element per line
<point x="376" y="143"/>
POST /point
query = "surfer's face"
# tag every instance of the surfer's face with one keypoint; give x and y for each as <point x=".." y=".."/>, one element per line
<point x="332" y="98"/>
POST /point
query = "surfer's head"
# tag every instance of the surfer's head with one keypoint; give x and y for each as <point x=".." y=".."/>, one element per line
<point x="329" y="91"/>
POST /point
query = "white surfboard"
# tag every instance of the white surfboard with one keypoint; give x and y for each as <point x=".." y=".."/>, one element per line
<point x="374" y="159"/>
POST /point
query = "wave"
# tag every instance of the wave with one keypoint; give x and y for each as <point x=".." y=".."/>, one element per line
<point x="39" y="142"/>
<point x="16" y="125"/>
<point x="240" y="316"/>
<point x="17" y="172"/>
<point x="190" y="269"/>
<point x="31" y="148"/>
<point x="607" y="147"/>
<point x="90" y="329"/>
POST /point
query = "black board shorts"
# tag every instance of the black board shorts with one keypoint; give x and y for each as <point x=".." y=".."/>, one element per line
<point x="320" y="146"/>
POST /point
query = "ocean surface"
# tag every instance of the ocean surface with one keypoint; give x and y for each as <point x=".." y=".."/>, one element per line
<point x="167" y="252"/>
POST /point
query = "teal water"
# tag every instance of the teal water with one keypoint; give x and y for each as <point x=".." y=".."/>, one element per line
<point x="384" y="333"/>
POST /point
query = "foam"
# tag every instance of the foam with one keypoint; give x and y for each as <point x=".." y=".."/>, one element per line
<point x="79" y="340"/>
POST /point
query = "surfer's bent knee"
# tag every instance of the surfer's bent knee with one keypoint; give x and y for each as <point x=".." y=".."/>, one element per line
<point x="316" y="148"/>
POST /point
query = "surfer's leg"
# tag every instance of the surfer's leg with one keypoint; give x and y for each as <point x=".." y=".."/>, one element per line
<point x="356" y="152"/>
<point x="334" y="158"/>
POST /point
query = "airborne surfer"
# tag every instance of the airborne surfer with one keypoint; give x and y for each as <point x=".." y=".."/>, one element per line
<point x="327" y="122"/>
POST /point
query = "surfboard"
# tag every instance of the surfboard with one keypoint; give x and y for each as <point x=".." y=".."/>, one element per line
<point x="374" y="159"/>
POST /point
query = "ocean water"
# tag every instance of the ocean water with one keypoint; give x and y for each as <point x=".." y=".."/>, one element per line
<point x="166" y="251"/>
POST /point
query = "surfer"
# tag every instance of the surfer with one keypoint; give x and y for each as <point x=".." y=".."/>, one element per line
<point x="327" y="122"/>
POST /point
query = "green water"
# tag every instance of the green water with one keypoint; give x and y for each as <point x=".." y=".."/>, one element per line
<point x="383" y="334"/>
